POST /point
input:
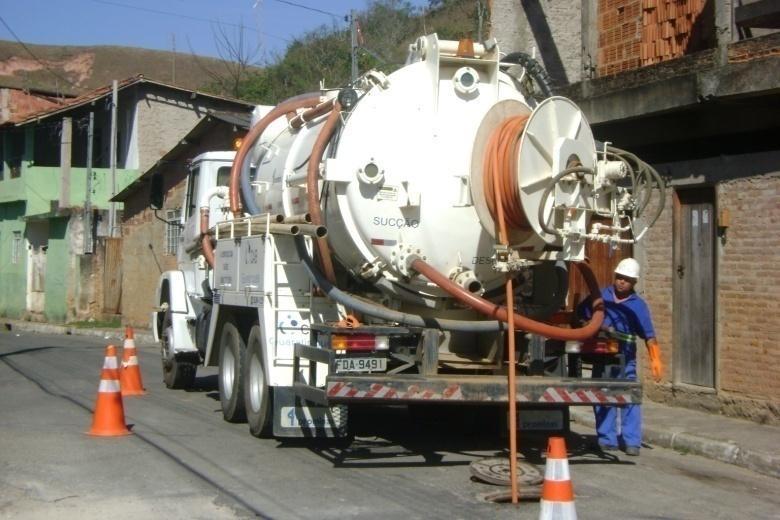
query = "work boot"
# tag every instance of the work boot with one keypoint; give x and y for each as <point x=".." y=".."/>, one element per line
<point x="632" y="450"/>
<point x="608" y="447"/>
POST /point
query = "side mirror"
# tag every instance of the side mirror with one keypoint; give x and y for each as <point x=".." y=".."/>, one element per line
<point x="156" y="191"/>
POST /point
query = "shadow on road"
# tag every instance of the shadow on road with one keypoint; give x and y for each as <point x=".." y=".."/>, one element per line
<point x="438" y="436"/>
<point x="205" y="384"/>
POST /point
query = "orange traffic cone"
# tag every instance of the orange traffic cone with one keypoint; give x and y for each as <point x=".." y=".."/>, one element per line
<point x="109" y="417"/>
<point x="557" y="493"/>
<point x="130" y="374"/>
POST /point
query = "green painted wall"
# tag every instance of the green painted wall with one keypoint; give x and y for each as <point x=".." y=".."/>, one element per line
<point x="13" y="277"/>
<point x="58" y="260"/>
<point x="42" y="185"/>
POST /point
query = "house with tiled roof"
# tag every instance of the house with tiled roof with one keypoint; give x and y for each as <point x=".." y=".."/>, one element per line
<point x="60" y="237"/>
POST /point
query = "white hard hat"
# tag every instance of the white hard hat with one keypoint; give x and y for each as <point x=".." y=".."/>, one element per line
<point x="628" y="267"/>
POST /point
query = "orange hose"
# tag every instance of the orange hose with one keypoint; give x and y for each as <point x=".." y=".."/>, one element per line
<point x="253" y="135"/>
<point x="499" y="312"/>
<point x="205" y="240"/>
<point x="499" y="195"/>
<point x="313" y="188"/>
<point x="500" y="180"/>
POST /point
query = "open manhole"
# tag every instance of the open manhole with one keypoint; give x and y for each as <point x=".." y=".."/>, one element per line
<point x="504" y="495"/>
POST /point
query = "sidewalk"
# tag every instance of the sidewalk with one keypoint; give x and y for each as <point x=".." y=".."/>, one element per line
<point x="734" y="441"/>
<point x="142" y="336"/>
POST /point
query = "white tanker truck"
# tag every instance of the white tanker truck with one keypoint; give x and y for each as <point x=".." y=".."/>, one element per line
<point x="375" y="243"/>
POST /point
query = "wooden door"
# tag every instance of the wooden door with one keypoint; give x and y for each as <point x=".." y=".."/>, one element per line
<point x="37" y="245"/>
<point x="694" y="287"/>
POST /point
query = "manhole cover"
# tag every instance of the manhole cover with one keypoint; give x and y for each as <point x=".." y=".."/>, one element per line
<point x="496" y="471"/>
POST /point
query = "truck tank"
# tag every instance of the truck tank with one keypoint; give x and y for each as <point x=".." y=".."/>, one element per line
<point x="438" y="180"/>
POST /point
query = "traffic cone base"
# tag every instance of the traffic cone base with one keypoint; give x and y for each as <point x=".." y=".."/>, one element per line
<point x="109" y="417"/>
<point x="130" y="374"/>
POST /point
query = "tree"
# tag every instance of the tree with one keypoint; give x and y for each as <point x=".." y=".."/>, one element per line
<point x="238" y="61"/>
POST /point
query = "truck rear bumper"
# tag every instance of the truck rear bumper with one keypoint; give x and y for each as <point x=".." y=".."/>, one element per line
<point x="480" y="390"/>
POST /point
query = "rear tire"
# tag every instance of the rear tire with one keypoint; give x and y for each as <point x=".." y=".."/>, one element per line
<point x="177" y="373"/>
<point x="232" y="353"/>
<point x="257" y="392"/>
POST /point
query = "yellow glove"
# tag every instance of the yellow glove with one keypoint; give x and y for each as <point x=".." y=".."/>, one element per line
<point x="654" y="352"/>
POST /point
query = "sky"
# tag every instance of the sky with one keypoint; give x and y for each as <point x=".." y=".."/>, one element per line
<point x="161" y="24"/>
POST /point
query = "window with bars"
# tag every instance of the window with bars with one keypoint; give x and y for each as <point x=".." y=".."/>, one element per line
<point x="172" y="231"/>
<point x="16" y="247"/>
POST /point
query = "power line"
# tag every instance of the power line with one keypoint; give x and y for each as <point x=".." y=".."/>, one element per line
<point x="31" y="53"/>
<point x="189" y="17"/>
<point x="313" y="9"/>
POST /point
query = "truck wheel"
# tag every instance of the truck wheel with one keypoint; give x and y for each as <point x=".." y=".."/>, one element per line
<point x="257" y="393"/>
<point x="177" y="373"/>
<point x="232" y="352"/>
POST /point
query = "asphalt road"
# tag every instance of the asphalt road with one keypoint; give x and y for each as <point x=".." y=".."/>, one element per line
<point x="184" y="461"/>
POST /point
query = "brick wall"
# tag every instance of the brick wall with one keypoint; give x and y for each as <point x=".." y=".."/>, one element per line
<point x="748" y="288"/>
<point x="620" y="33"/>
<point x="747" y="307"/>
<point x="144" y="258"/>
<point x="16" y="104"/>
<point x="635" y="33"/>
<point x="144" y="236"/>
<point x="656" y="259"/>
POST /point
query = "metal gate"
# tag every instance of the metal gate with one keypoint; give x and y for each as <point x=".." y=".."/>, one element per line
<point x="694" y="287"/>
<point x="112" y="276"/>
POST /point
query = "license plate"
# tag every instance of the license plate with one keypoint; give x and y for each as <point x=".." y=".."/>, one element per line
<point x="540" y="420"/>
<point x="361" y="364"/>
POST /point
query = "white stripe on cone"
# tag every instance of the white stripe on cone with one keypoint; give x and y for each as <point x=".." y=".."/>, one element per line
<point x="557" y="510"/>
<point x="110" y="362"/>
<point x="109" y="386"/>
<point x="132" y="360"/>
<point x="557" y="469"/>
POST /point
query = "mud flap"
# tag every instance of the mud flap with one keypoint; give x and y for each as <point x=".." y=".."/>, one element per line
<point x="295" y="417"/>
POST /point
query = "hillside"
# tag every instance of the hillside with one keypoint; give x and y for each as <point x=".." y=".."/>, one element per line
<point x="90" y="67"/>
<point x="387" y="28"/>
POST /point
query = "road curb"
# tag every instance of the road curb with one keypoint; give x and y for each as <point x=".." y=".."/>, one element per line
<point x="118" y="335"/>
<point x="686" y="442"/>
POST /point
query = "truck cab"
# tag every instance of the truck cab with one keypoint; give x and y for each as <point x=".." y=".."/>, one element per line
<point x="180" y="321"/>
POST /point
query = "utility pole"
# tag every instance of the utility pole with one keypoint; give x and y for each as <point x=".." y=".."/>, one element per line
<point x="354" y="44"/>
<point x="173" y="72"/>
<point x="65" y="161"/>
<point x="88" y="245"/>
<point x="112" y="208"/>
